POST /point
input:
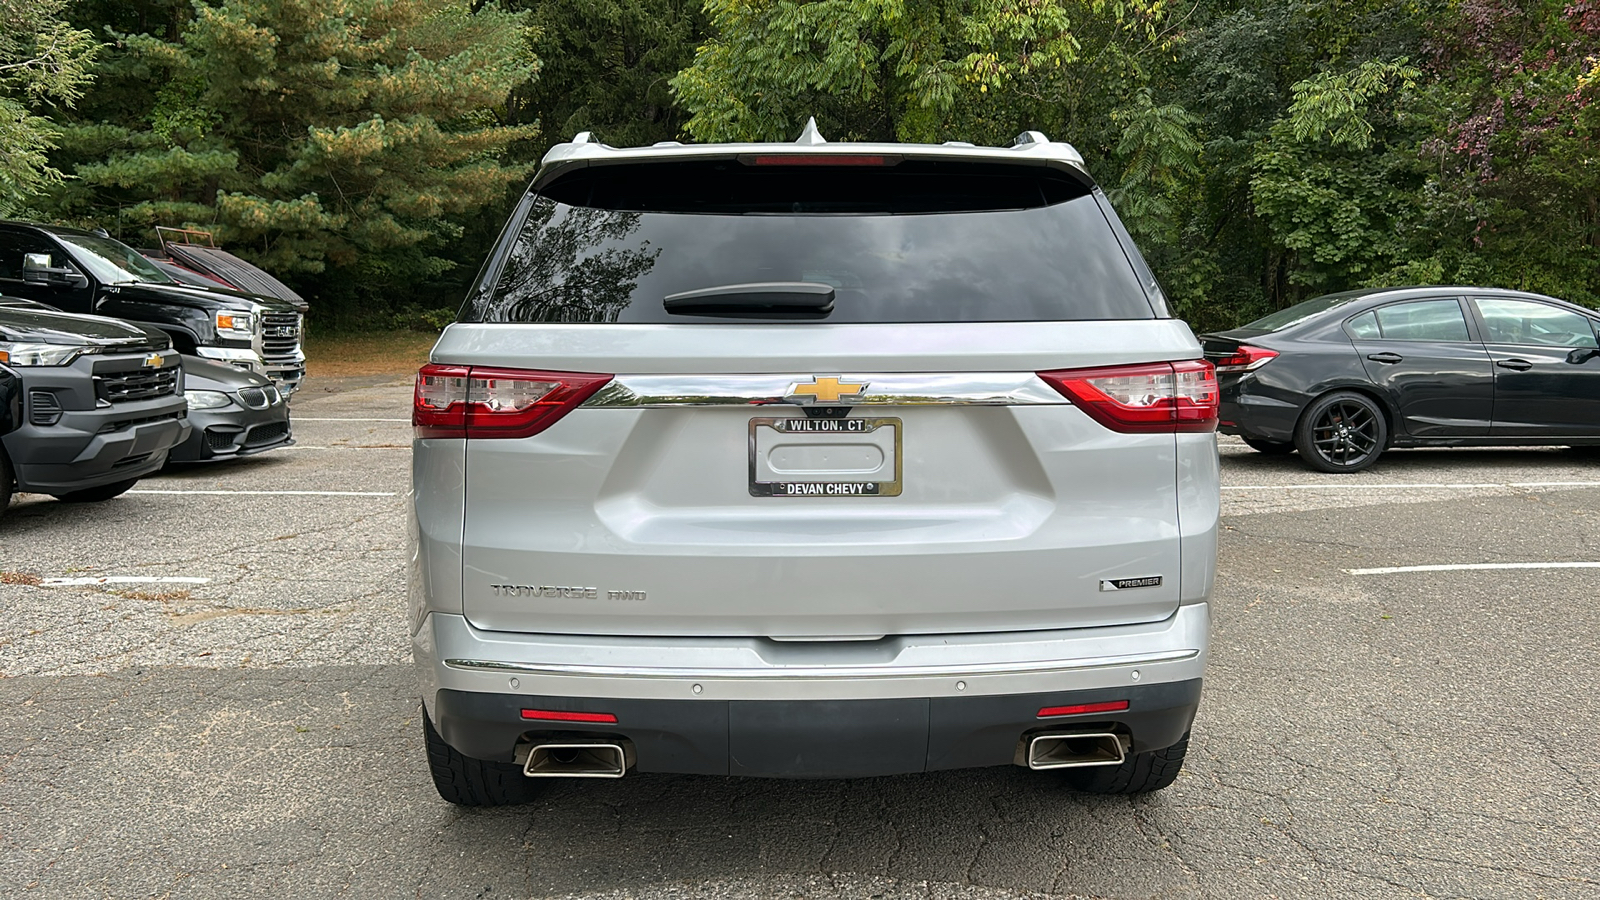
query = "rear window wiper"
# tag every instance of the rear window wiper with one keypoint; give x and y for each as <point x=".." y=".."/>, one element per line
<point x="758" y="300"/>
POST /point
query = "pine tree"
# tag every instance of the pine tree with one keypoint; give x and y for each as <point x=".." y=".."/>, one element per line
<point x="43" y="60"/>
<point x="346" y="139"/>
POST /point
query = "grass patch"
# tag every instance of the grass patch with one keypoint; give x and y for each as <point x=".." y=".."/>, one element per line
<point x="343" y="354"/>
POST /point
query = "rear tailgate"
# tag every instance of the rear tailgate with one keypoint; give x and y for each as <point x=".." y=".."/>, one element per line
<point x="1010" y="508"/>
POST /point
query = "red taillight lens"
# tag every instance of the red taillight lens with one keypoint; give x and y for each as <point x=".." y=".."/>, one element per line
<point x="1050" y="712"/>
<point x="558" y="715"/>
<point x="478" y="402"/>
<point x="1245" y="358"/>
<point x="1155" y="397"/>
<point x="439" y="405"/>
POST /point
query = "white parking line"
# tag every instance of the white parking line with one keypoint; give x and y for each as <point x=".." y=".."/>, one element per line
<point x="275" y="493"/>
<point x="122" y="579"/>
<point x="1462" y="486"/>
<point x="1472" y="567"/>
<point x="343" y="419"/>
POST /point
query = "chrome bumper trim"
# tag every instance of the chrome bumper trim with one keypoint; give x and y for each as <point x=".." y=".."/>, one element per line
<point x="882" y="389"/>
<point x="824" y="673"/>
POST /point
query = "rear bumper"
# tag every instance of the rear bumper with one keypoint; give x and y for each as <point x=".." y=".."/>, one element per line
<point x="755" y="707"/>
<point x="814" y="738"/>
<point x="1248" y="412"/>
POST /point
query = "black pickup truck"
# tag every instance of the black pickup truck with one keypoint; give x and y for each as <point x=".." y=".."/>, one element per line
<point x="80" y="272"/>
<point x="94" y="404"/>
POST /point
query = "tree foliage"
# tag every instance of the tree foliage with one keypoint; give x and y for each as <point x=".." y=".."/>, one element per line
<point x="606" y="66"/>
<point x="44" y="61"/>
<point x="343" y="139"/>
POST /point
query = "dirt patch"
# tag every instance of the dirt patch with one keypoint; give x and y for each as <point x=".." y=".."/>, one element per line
<point x="373" y="353"/>
<point x="9" y="577"/>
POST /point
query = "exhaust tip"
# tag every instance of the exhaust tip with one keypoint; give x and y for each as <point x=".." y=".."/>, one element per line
<point x="1073" y="750"/>
<point x="575" y="760"/>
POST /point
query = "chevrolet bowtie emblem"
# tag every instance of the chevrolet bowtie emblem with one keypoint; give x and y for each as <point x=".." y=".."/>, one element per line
<point x="153" y="361"/>
<point x="824" y="389"/>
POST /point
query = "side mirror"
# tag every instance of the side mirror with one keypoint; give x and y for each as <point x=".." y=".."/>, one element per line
<point x="1582" y="355"/>
<point x="36" y="269"/>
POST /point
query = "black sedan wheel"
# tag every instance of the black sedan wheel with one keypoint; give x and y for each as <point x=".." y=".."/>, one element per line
<point x="1271" y="448"/>
<point x="1341" y="432"/>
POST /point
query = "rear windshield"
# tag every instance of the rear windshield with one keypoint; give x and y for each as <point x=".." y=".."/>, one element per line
<point x="913" y="242"/>
<point x="1300" y="312"/>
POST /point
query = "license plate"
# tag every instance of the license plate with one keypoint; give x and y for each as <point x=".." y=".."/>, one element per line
<point x="846" y="457"/>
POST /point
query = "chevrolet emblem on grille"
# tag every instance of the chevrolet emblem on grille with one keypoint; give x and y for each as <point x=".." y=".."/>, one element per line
<point x="153" y="361"/>
<point x="825" y="389"/>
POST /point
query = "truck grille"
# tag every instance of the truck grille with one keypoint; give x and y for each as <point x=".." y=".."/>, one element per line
<point x="280" y="337"/>
<point x="122" y="387"/>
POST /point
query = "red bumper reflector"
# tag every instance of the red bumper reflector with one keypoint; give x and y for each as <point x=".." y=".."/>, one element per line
<point x="1050" y="712"/>
<point x="556" y="715"/>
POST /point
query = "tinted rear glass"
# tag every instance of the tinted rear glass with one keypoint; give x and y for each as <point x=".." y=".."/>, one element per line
<point x="1300" y="312"/>
<point x="908" y="243"/>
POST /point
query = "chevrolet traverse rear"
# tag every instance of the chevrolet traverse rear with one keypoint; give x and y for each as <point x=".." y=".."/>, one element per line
<point x="812" y="460"/>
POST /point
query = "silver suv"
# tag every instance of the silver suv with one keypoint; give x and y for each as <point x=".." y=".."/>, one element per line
<point x="812" y="460"/>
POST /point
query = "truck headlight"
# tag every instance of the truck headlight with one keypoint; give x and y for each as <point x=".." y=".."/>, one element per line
<point x="234" y="324"/>
<point x="206" y="399"/>
<point x="19" y="354"/>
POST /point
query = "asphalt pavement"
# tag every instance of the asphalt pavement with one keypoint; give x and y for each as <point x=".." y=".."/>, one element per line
<point x="1401" y="703"/>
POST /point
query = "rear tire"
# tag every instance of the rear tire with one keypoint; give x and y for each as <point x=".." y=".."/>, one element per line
<point x="1141" y="773"/>
<point x="1341" y="432"/>
<point x="98" y="494"/>
<point x="465" y="781"/>
<point x="1271" y="448"/>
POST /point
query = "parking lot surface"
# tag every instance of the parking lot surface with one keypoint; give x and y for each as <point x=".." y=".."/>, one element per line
<point x="1400" y="703"/>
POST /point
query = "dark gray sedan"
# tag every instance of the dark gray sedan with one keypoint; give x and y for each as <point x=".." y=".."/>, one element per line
<point x="1341" y="378"/>
<point x="234" y="412"/>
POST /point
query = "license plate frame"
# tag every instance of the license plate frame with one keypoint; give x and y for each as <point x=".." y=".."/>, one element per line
<point x="819" y="488"/>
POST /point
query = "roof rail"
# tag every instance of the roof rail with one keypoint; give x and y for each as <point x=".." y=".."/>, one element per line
<point x="811" y="135"/>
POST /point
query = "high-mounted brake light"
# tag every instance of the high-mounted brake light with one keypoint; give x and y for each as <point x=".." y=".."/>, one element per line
<point x="559" y="715"/>
<point x="1153" y="397"/>
<point x="817" y="159"/>
<point x="1078" y="709"/>
<point x="1245" y="358"/>
<point x="478" y="402"/>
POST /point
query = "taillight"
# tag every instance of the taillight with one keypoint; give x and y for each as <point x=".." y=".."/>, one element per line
<point x="1153" y="397"/>
<point x="1245" y="358"/>
<point x="478" y="402"/>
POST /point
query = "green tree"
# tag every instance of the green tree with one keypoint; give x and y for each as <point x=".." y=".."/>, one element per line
<point x="44" y="61"/>
<point x="345" y="140"/>
<point x="606" y="66"/>
<point x="867" y="69"/>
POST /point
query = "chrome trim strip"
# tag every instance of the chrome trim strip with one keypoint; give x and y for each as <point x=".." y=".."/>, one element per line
<point x="828" y="673"/>
<point x="895" y="389"/>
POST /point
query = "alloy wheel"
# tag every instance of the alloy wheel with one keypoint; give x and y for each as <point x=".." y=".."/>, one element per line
<point x="1346" y="433"/>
